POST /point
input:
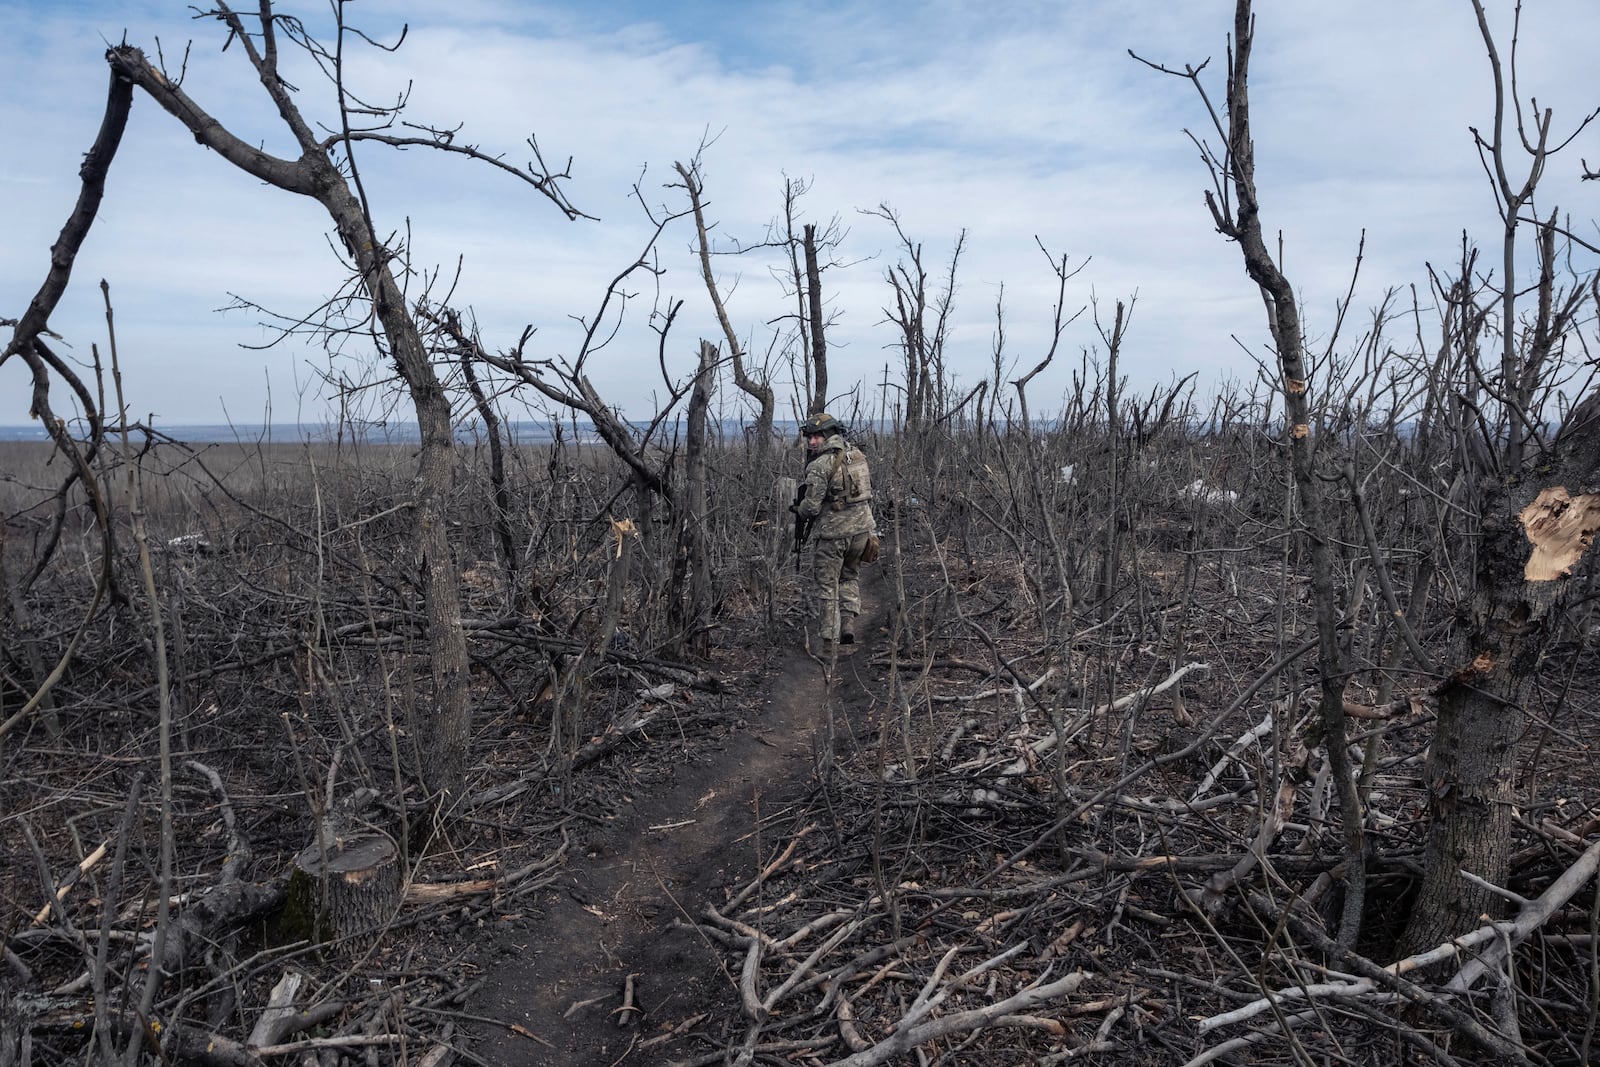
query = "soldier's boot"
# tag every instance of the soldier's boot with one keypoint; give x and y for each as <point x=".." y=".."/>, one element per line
<point x="847" y="632"/>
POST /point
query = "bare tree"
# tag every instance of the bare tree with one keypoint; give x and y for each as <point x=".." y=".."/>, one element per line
<point x="1051" y="550"/>
<point x="806" y="248"/>
<point x="1528" y="505"/>
<point x="759" y="390"/>
<point x="327" y="171"/>
<point x="1114" y="516"/>
<point x="484" y="404"/>
<point x="43" y="364"/>
<point x="921" y="314"/>
<point x="1535" y="506"/>
<point x="1236" y="211"/>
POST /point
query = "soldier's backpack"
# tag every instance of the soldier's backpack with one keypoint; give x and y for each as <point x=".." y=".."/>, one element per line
<point x="851" y="481"/>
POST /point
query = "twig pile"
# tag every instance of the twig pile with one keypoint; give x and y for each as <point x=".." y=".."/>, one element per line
<point x="978" y="906"/>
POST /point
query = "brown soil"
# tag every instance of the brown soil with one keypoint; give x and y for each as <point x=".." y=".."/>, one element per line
<point x="679" y="841"/>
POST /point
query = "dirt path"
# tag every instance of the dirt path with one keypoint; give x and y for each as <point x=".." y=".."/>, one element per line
<point x="672" y="849"/>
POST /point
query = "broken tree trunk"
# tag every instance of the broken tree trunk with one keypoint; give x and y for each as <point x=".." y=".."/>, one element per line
<point x="1525" y="563"/>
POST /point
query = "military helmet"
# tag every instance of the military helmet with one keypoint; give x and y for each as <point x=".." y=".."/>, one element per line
<point x="822" y="423"/>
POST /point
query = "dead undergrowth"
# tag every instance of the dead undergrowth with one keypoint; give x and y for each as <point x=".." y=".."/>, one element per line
<point x="1035" y="867"/>
<point x="1050" y="830"/>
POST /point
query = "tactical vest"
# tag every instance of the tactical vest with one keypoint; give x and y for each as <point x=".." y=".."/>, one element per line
<point x="850" y="483"/>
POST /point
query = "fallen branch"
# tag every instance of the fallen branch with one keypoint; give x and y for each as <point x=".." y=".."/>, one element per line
<point x="1038" y="748"/>
<point x="1209" y="897"/>
<point x="905" y="1038"/>
<point x="71" y="880"/>
<point x="995" y="691"/>
<point x="316" y="1043"/>
<point x="275" y="1022"/>
<point x="1255" y="1036"/>
<point x="1502" y="936"/>
<point x="1235" y="750"/>
<point x="770" y="869"/>
<point x="433" y="892"/>
<point x="1364" y="988"/>
<point x="630" y="723"/>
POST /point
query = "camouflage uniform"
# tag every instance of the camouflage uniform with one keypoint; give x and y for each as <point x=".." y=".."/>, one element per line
<point x="838" y="494"/>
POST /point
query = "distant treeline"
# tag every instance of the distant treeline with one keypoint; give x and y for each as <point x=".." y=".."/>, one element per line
<point x="538" y="432"/>
<point x="528" y="433"/>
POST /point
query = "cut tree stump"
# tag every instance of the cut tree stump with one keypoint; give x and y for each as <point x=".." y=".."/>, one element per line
<point x="346" y="891"/>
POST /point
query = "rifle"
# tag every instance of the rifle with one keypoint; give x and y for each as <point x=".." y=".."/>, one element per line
<point x="802" y="525"/>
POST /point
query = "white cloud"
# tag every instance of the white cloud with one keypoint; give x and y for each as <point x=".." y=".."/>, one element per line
<point x="1015" y="122"/>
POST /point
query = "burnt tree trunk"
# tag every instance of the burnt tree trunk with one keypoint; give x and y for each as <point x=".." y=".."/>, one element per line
<point x="1529" y="545"/>
<point x="819" y="343"/>
<point x="497" y="477"/>
<point x="691" y="569"/>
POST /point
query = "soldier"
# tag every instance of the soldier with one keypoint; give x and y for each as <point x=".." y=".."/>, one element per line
<point x="837" y="496"/>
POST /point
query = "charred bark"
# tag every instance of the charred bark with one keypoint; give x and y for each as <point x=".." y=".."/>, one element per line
<point x="691" y="570"/>
<point x="1531" y="540"/>
<point x="510" y="557"/>
<point x="819" y="343"/>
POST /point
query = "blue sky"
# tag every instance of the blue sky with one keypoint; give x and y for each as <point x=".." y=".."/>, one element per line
<point x="1017" y="122"/>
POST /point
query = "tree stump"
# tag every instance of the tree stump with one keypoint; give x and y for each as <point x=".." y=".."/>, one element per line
<point x="782" y="520"/>
<point x="346" y="890"/>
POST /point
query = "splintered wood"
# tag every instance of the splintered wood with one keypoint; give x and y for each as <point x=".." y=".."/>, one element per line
<point x="1561" y="528"/>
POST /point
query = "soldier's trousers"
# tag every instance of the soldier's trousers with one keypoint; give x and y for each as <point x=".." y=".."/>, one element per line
<point x="836" y="582"/>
